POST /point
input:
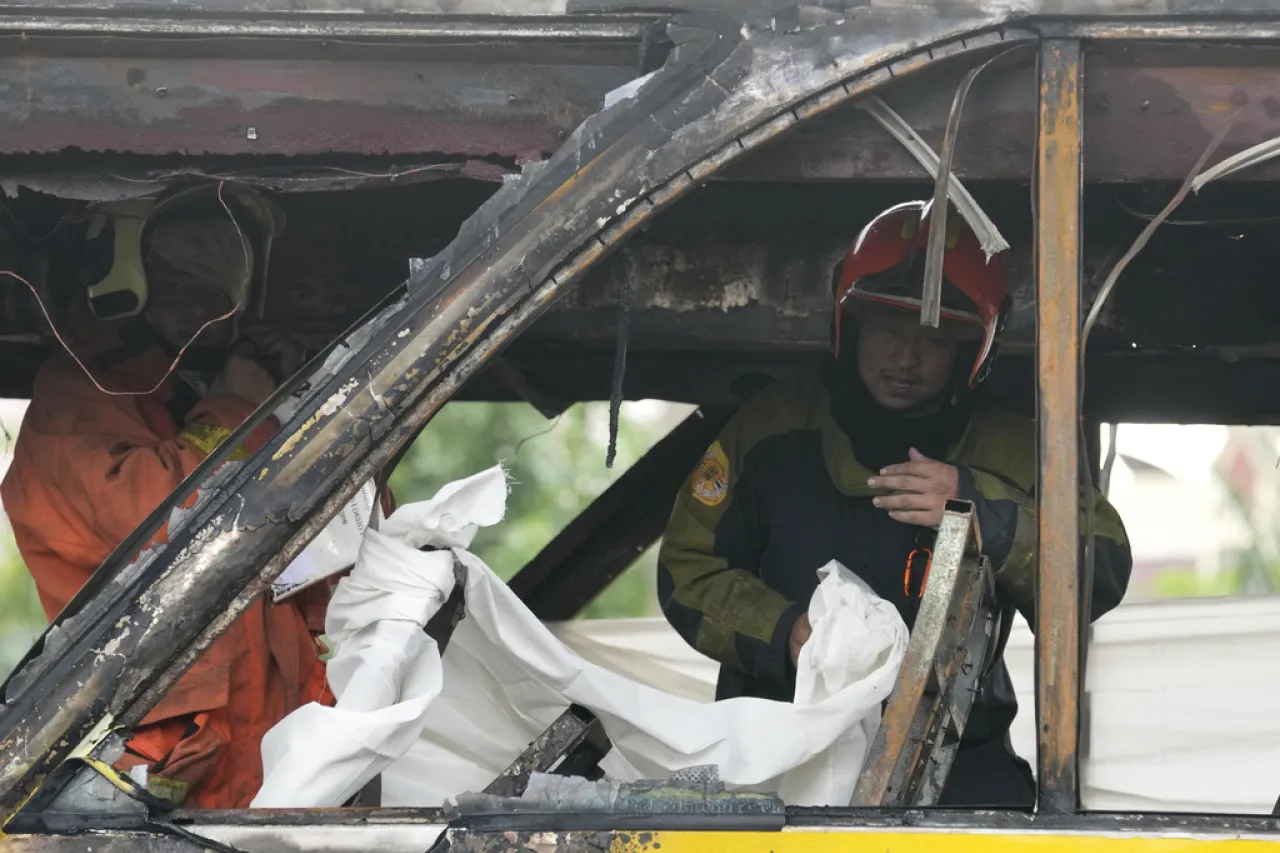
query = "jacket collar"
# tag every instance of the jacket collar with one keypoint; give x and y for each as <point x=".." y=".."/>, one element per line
<point x="846" y="472"/>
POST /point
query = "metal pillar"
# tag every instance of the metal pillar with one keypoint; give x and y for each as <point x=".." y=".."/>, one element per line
<point x="1058" y="182"/>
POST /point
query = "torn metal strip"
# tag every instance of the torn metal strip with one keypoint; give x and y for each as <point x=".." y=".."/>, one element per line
<point x="931" y="299"/>
<point x="993" y="242"/>
<point x="1247" y="159"/>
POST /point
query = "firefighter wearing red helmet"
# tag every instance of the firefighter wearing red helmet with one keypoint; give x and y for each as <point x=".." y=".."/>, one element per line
<point x="854" y="463"/>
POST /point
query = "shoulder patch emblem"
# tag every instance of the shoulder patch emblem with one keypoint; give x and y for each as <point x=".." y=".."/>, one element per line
<point x="711" y="482"/>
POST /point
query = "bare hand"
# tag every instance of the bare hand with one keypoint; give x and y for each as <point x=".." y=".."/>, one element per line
<point x="800" y="633"/>
<point x="919" y="489"/>
<point x="244" y="377"/>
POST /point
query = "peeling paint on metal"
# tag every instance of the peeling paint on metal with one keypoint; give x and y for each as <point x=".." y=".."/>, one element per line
<point x="339" y="398"/>
<point x="297" y="436"/>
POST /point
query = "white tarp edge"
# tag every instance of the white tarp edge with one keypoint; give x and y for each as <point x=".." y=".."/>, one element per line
<point x="437" y="728"/>
<point x="1180" y="718"/>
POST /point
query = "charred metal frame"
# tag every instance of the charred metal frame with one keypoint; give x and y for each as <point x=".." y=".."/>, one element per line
<point x="955" y="632"/>
<point x="730" y="88"/>
<point x="571" y="746"/>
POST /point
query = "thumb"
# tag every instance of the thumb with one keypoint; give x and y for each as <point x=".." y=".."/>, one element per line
<point x="917" y="456"/>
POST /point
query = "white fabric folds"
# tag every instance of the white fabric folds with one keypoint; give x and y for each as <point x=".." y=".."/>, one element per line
<point x="437" y="728"/>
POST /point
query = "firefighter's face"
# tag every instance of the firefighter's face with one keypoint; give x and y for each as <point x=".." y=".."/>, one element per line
<point x="902" y="363"/>
<point x="178" y="307"/>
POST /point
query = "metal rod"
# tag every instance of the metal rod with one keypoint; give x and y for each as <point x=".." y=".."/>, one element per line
<point x="1058" y="184"/>
<point x="1260" y="29"/>
<point x="931" y="297"/>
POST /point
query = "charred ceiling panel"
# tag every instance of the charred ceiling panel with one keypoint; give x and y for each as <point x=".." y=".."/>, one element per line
<point x="1149" y="113"/>
<point x="707" y="278"/>
<point x="275" y="106"/>
<point x="429" y="7"/>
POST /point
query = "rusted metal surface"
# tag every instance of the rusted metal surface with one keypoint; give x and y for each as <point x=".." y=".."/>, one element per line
<point x="954" y="630"/>
<point x="514" y="8"/>
<point x="348" y="22"/>
<point x="610" y="535"/>
<point x="1058" y="487"/>
<point x="1148" y="121"/>
<point x="1151" y="111"/>
<point x="196" y="106"/>
<point x="359" y="85"/>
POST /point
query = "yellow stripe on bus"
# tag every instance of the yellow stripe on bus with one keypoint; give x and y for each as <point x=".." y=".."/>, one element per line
<point x="931" y="841"/>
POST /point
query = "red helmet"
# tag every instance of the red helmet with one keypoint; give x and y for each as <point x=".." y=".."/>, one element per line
<point x="974" y="289"/>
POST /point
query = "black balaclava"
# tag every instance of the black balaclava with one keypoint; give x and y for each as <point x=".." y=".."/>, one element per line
<point x="882" y="437"/>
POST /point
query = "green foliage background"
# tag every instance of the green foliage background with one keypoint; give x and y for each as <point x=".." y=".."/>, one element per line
<point x="21" y="619"/>
<point x="556" y="468"/>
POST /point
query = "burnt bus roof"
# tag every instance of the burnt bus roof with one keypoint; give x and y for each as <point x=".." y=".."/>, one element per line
<point x="727" y="88"/>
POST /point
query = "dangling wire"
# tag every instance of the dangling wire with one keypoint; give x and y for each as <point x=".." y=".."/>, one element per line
<point x="61" y="340"/>
<point x="177" y="359"/>
<point x="528" y="438"/>
<point x="620" y="355"/>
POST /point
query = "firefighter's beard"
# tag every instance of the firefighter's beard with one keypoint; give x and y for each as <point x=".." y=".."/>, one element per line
<point x="883" y="436"/>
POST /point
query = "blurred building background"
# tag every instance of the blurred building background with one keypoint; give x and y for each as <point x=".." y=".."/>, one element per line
<point x="1181" y="707"/>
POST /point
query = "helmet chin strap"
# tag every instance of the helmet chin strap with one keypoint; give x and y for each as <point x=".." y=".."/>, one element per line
<point x="958" y="385"/>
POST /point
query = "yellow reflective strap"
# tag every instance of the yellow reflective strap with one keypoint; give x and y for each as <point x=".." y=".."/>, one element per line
<point x="173" y="790"/>
<point x="114" y="776"/>
<point x="206" y="438"/>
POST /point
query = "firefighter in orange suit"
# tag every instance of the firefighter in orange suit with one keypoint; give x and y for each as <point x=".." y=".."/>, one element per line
<point x="97" y="453"/>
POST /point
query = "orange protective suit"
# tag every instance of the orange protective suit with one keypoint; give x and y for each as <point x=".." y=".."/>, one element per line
<point x="87" y="469"/>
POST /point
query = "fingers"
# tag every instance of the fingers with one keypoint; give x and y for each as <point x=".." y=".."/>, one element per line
<point x="900" y="483"/>
<point x="910" y="508"/>
<point x="911" y="469"/>
<point x="800" y="633"/>
<point x="919" y="519"/>
<point x="911" y="501"/>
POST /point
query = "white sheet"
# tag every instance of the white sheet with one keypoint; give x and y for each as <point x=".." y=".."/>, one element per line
<point x="439" y="728"/>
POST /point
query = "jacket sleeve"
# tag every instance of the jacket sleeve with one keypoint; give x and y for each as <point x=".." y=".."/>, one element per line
<point x="115" y="470"/>
<point x="708" y="584"/>
<point x="1009" y="524"/>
